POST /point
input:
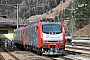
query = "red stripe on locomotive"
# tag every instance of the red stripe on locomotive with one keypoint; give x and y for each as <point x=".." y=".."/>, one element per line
<point x="40" y="35"/>
<point x="22" y="34"/>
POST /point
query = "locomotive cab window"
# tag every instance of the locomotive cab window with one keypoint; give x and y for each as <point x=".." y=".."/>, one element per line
<point x="52" y="29"/>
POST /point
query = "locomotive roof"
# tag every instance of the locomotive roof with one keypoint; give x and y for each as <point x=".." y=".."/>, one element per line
<point x="51" y="22"/>
<point x="47" y="22"/>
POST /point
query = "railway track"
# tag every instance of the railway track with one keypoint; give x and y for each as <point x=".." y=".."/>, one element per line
<point x="75" y="53"/>
<point x="68" y="55"/>
<point x="6" y="55"/>
<point x="71" y="55"/>
<point x="56" y="57"/>
<point x="81" y="49"/>
<point x="22" y="55"/>
<point x="1" y="57"/>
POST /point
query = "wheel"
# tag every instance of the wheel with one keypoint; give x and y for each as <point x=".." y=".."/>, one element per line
<point x="40" y="51"/>
<point x="41" y="54"/>
<point x="26" y="48"/>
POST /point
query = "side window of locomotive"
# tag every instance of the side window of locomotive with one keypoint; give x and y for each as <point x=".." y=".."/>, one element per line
<point x="35" y="29"/>
<point x="26" y="32"/>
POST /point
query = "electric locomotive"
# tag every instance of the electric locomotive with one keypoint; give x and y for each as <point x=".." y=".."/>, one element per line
<point x="19" y="39"/>
<point x="46" y="38"/>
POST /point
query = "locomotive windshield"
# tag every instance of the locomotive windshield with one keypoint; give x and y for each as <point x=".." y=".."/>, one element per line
<point x="52" y="29"/>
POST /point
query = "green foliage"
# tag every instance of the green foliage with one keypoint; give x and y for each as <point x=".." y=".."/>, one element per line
<point x="81" y="23"/>
<point x="81" y="12"/>
<point x="56" y="18"/>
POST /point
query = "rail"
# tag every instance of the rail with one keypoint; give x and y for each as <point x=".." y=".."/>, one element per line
<point x="81" y="39"/>
<point x="10" y="54"/>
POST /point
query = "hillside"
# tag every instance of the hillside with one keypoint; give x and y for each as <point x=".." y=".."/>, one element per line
<point x="55" y="11"/>
<point x="26" y="8"/>
<point x="83" y="32"/>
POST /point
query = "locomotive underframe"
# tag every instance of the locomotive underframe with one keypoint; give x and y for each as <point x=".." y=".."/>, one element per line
<point x="52" y="50"/>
